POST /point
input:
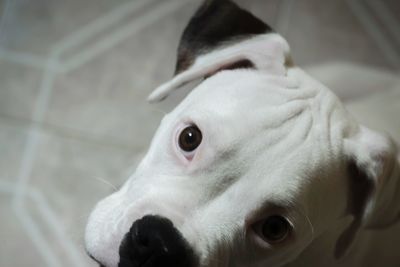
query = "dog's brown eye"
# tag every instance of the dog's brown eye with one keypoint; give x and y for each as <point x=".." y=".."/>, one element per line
<point x="275" y="229"/>
<point x="190" y="138"/>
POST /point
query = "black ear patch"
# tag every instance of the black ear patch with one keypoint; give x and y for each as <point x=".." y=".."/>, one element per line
<point x="360" y="190"/>
<point x="216" y="22"/>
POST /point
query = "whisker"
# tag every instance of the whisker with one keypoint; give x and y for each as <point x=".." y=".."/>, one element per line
<point x="106" y="182"/>
<point x="312" y="226"/>
<point x="302" y="211"/>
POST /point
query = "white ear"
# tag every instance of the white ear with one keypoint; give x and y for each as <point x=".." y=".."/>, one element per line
<point x="376" y="160"/>
<point x="222" y="36"/>
<point x="374" y="183"/>
<point x="266" y="53"/>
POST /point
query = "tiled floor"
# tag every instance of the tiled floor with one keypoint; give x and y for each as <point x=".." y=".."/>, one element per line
<point x="74" y="76"/>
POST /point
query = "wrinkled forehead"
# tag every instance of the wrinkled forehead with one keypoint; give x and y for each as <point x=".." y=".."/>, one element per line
<point x="245" y="95"/>
<point x="251" y="107"/>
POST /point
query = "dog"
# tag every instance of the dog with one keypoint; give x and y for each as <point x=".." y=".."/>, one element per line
<point x="259" y="165"/>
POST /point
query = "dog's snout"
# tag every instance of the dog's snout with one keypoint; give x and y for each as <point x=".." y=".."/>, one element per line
<point x="154" y="241"/>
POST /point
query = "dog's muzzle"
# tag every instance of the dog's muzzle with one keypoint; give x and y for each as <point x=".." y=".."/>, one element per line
<point x="153" y="241"/>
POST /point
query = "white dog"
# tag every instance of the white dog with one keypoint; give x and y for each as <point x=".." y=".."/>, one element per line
<point x="260" y="165"/>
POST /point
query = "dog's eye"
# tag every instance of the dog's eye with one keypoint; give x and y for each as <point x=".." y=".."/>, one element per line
<point x="190" y="138"/>
<point x="274" y="229"/>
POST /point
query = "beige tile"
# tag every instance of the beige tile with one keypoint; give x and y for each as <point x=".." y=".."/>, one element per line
<point x="19" y="87"/>
<point x="65" y="240"/>
<point x="35" y="26"/>
<point x="351" y="82"/>
<point x="12" y="145"/>
<point x="106" y="97"/>
<point x="72" y="175"/>
<point x="380" y="111"/>
<point x="267" y="10"/>
<point x="322" y="31"/>
<point x="16" y="248"/>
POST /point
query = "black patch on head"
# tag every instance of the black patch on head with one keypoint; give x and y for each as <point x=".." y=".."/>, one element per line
<point x="360" y="190"/>
<point x="216" y="22"/>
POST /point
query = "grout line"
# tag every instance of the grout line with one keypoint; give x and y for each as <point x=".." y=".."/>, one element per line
<point x="33" y="135"/>
<point x="284" y="16"/>
<point x="27" y="59"/>
<point x="33" y="232"/>
<point x="64" y="132"/>
<point x="366" y="20"/>
<point x="53" y="223"/>
<point x="387" y="17"/>
<point x="27" y="166"/>
<point x="99" y="25"/>
<point x="116" y="37"/>
<point x="30" y="227"/>
<point x="45" y="91"/>
<point x="22" y="58"/>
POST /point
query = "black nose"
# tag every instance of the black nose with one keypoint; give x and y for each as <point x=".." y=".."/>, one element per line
<point x="154" y="241"/>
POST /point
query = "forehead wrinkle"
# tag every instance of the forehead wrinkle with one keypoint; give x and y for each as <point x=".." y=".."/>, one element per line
<point x="243" y="81"/>
<point x="331" y="122"/>
<point x="279" y="182"/>
<point x="243" y="164"/>
<point x="291" y="130"/>
<point x="263" y="117"/>
<point x="232" y="90"/>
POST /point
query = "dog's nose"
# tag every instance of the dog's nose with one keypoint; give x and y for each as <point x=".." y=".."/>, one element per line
<point x="154" y="241"/>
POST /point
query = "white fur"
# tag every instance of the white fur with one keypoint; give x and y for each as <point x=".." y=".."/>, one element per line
<point x="272" y="142"/>
<point x="267" y="51"/>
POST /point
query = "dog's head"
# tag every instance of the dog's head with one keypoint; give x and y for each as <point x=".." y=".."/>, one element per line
<point x="253" y="166"/>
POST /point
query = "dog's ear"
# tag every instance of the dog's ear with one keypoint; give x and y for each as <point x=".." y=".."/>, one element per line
<point x="374" y="184"/>
<point x="223" y="36"/>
